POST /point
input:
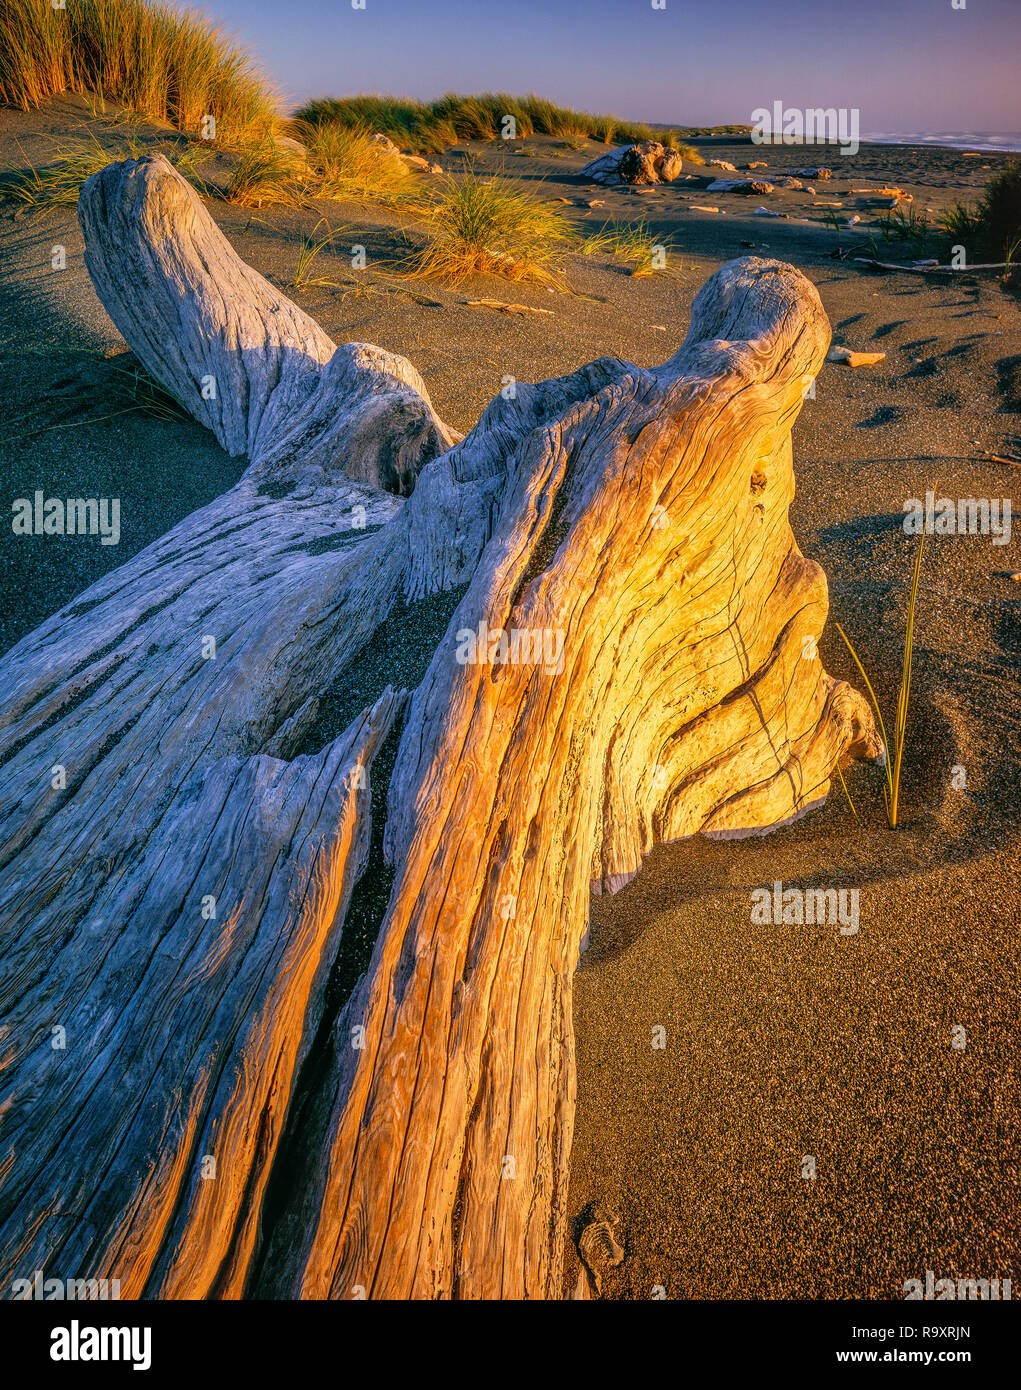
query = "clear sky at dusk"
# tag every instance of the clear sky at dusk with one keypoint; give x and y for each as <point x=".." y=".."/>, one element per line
<point x="907" y="65"/>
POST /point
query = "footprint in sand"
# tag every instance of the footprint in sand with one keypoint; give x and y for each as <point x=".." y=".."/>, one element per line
<point x="598" y="1250"/>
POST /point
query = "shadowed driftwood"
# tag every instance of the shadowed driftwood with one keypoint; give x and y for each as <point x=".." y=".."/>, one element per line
<point x="622" y="653"/>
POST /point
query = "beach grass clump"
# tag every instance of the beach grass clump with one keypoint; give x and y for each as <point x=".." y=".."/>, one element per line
<point x="633" y="243"/>
<point x="431" y="127"/>
<point x="992" y="227"/>
<point x="345" y="162"/>
<point x="59" y="183"/>
<point x="168" y="64"/>
<point x="307" y="274"/>
<point x="894" y="753"/>
<point x="909" y="225"/>
<point x="488" y="226"/>
<point x="406" y="122"/>
<point x="113" y="389"/>
<point x="264" y="174"/>
<point x="140" y="391"/>
<point x="705" y="130"/>
<point x="673" y="141"/>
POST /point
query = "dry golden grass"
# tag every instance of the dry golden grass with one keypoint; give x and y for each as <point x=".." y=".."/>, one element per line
<point x="488" y="226"/>
<point x="895" y="754"/>
<point x="264" y="175"/>
<point x="345" y="162"/>
<point x="170" y="65"/>
<point x="59" y="183"/>
<point x="633" y="244"/>
<point x="431" y="127"/>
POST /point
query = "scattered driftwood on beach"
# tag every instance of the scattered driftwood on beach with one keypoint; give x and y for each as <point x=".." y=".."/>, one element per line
<point x="612" y="639"/>
<point x="646" y="163"/>
<point x="930" y="269"/>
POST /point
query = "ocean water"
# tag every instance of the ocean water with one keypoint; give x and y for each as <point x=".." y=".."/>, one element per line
<point x="954" y="139"/>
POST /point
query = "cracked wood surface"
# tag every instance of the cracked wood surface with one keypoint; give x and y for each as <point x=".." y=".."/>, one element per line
<point x="636" y="520"/>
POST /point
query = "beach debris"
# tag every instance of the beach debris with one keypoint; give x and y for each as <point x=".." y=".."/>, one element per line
<point x="560" y="200"/>
<point x="698" y="207"/>
<point x="827" y="205"/>
<point x="637" y="165"/>
<point x="289" y="145"/>
<point x="383" y="142"/>
<point x="424" y="300"/>
<point x="768" y="212"/>
<point x="757" y="164"/>
<point x="848" y="358"/>
<point x="927" y="269"/>
<point x="789" y="183"/>
<point x="592" y="202"/>
<point x="598" y="1250"/>
<point x="748" y="186"/>
<point x="670" y="166"/>
<point x="813" y="173"/>
<point x="503" y="308"/>
<point x="853" y="221"/>
<point x="720" y="164"/>
<point x="644" y="163"/>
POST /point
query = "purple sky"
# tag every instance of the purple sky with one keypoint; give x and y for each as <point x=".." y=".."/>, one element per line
<point x="907" y="65"/>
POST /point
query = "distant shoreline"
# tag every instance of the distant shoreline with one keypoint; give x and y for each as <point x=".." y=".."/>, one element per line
<point x="987" y="143"/>
<point x="981" y="143"/>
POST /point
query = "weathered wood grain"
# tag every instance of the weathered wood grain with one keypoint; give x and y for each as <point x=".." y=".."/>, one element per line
<point x="633" y="524"/>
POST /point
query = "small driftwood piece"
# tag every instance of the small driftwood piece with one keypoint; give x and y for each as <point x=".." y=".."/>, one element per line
<point x="930" y="269"/>
<point x="619" y="649"/>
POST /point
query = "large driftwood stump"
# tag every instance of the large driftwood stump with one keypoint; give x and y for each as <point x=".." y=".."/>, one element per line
<point x="623" y="660"/>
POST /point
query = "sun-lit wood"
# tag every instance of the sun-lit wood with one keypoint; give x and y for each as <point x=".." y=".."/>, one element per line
<point x="630" y="526"/>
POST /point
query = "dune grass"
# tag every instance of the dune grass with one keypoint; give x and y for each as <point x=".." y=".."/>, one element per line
<point x="313" y="244"/>
<point x="907" y="225"/>
<point x="483" y="225"/>
<point x="58" y="184"/>
<point x="895" y="754"/>
<point x="164" y="63"/>
<point x="345" y="162"/>
<point x="339" y="162"/>
<point x="264" y="174"/>
<point x="431" y="127"/>
<point x="114" y="389"/>
<point x="630" y="242"/>
<point x="992" y="227"/>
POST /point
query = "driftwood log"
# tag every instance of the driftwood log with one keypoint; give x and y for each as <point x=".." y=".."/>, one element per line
<point x="618" y="632"/>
